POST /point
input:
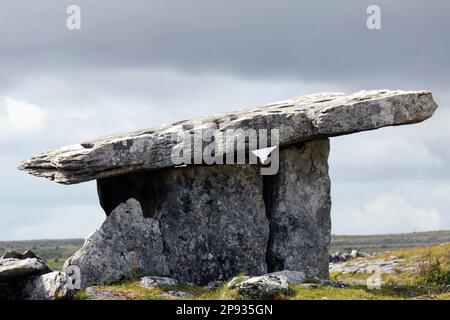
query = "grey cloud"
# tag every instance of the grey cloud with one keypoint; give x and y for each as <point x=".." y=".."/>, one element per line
<point x="317" y="40"/>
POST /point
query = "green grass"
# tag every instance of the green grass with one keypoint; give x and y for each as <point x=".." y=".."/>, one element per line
<point x="361" y="292"/>
<point x="435" y="273"/>
<point x="81" y="295"/>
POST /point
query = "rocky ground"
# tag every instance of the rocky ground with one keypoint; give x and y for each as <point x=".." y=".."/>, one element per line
<point x="408" y="273"/>
<point x="413" y="273"/>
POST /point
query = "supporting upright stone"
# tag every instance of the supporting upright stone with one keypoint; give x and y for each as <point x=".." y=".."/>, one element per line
<point x="197" y="224"/>
<point x="213" y="222"/>
<point x="298" y="204"/>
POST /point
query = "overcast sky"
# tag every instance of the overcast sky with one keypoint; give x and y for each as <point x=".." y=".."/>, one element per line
<point x="136" y="64"/>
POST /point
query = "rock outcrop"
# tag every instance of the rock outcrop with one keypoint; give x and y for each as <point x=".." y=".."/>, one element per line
<point x="49" y="286"/>
<point x="264" y="287"/>
<point x="201" y="221"/>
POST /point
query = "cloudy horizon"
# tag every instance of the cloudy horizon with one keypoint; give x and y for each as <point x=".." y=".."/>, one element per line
<point x="141" y="64"/>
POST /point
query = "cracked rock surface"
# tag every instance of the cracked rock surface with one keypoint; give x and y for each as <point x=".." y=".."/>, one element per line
<point x="298" y="203"/>
<point x="303" y="118"/>
<point x="207" y="223"/>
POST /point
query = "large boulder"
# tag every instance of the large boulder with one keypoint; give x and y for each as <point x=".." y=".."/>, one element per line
<point x="152" y="282"/>
<point x="199" y="224"/>
<point x="292" y="277"/>
<point x="298" y="202"/>
<point x="127" y="245"/>
<point x="213" y="222"/>
<point x="49" y="286"/>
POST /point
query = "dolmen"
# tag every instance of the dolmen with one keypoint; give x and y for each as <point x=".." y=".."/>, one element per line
<point x="244" y="192"/>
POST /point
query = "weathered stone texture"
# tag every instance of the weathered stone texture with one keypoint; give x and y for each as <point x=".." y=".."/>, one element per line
<point x="27" y="277"/>
<point x="300" y="119"/>
<point x="213" y="222"/>
<point x="49" y="286"/>
<point x="298" y="203"/>
<point x="209" y="223"/>
<point x="127" y="245"/>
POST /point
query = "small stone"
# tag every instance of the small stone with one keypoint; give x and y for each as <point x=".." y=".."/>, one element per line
<point x="152" y="282"/>
<point x="235" y="281"/>
<point x="264" y="287"/>
<point x="214" y="285"/>
<point x="293" y="277"/>
<point x="180" y="294"/>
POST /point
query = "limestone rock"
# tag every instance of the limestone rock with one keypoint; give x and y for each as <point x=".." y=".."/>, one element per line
<point x="13" y="269"/>
<point x="299" y="119"/>
<point x="199" y="224"/>
<point x="49" y="286"/>
<point x="213" y="285"/>
<point x="179" y="294"/>
<point x="298" y="202"/>
<point x="212" y="218"/>
<point x="127" y="245"/>
<point x="264" y="287"/>
<point x="232" y="284"/>
<point x="213" y="222"/>
<point x="12" y="255"/>
<point x="292" y="277"/>
<point x="156" y="282"/>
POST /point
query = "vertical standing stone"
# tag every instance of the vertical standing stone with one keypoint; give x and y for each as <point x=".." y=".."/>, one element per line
<point x="298" y="205"/>
<point x="211" y="222"/>
<point x="127" y="245"/>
